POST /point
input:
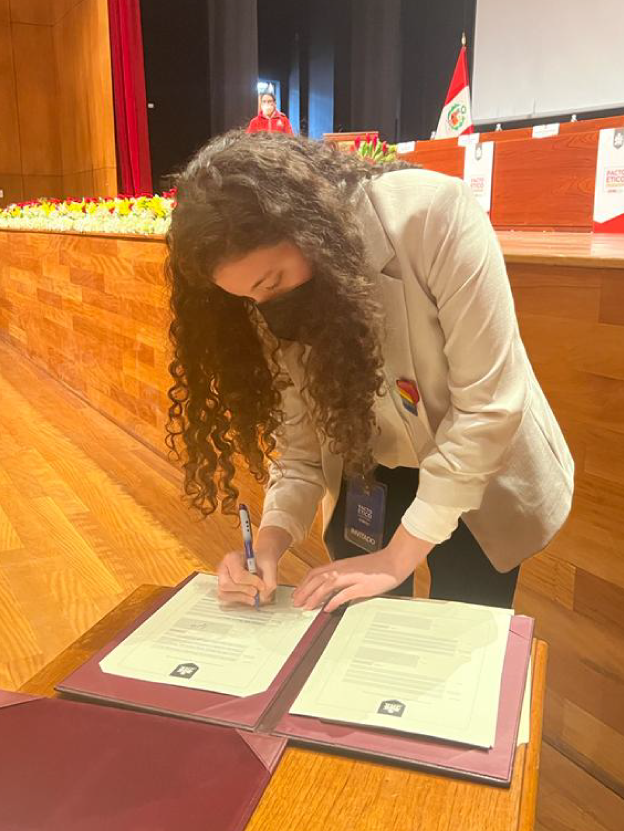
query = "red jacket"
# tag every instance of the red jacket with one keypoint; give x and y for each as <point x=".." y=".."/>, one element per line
<point x="278" y="123"/>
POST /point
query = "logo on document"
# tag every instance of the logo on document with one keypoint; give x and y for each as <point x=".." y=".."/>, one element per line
<point x="391" y="708"/>
<point x="184" y="671"/>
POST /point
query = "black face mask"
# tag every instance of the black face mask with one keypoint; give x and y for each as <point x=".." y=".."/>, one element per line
<point x="289" y="315"/>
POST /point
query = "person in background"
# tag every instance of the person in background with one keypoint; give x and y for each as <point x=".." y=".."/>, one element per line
<point x="269" y="119"/>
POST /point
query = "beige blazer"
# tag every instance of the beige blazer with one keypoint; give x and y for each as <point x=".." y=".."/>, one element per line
<point x="487" y="440"/>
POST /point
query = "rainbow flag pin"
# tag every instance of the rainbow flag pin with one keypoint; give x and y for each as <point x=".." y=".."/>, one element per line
<point x="409" y="395"/>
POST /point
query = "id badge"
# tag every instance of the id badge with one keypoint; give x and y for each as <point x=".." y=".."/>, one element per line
<point x="364" y="515"/>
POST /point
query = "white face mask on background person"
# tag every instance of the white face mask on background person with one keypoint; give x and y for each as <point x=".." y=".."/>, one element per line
<point x="268" y="108"/>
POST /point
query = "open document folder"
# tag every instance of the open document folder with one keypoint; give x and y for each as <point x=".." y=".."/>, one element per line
<point x="417" y="666"/>
<point x="436" y="662"/>
<point x="193" y="641"/>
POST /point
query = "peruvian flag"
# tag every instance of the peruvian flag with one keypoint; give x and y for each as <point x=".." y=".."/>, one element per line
<point x="455" y="118"/>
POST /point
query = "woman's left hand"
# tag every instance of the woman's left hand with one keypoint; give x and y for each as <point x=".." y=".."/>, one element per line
<point x="364" y="576"/>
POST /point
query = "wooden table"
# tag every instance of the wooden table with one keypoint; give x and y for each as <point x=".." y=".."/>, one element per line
<point x="311" y="791"/>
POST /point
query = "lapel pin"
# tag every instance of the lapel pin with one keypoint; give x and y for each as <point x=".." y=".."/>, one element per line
<point x="409" y="395"/>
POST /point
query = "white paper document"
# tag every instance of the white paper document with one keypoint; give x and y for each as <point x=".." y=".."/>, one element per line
<point x="193" y="641"/>
<point x="418" y="666"/>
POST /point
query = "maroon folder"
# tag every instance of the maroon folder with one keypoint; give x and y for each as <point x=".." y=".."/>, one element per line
<point x="267" y="712"/>
<point x="71" y="766"/>
<point x="89" y="682"/>
<point x="493" y="765"/>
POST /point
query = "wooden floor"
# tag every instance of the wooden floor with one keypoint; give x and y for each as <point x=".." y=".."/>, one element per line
<point x="88" y="513"/>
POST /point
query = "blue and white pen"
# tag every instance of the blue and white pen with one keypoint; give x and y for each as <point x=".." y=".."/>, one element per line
<point x="243" y="512"/>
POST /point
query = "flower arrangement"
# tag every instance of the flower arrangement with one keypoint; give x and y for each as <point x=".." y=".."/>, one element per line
<point x="145" y="214"/>
<point x="375" y="150"/>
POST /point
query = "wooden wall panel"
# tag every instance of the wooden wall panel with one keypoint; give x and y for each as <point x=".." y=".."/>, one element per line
<point x="13" y="187"/>
<point x="591" y="124"/>
<point x="37" y="98"/>
<point x="449" y="160"/>
<point x="62" y="7"/>
<point x="612" y="301"/>
<point x="545" y="182"/>
<point x="39" y="185"/>
<point x="78" y="184"/>
<point x="10" y="156"/>
<point x="105" y="181"/>
<point x="38" y="12"/>
<point x="507" y="135"/>
<point x="573" y="328"/>
<point x="100" y="80"/>
<point x="86" y="98"/>
<point x="92" y="311"/>
<point x="56" y="100"/>
<point x="520" y="133"/>
<point x="73" y="115"/>
<point x="537" y="183"/>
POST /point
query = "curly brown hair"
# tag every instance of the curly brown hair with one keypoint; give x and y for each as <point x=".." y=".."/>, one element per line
<point x="239" y="193"/>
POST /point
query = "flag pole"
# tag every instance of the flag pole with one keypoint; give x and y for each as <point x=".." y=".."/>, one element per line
<point x="455" y="118"/>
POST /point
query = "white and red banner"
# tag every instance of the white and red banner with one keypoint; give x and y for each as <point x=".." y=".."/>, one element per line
<point x="478" y="167"/>
<point x="455" y="118"/>
<point x="609" y="190"/>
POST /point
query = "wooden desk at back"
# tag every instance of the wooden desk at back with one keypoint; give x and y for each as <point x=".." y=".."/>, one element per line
<point x="537" y="183"/>
<point x="565" y="128"/>
<point x="313" y="791"/>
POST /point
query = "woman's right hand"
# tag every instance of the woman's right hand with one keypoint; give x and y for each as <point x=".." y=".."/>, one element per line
<point x="237" y="585"/>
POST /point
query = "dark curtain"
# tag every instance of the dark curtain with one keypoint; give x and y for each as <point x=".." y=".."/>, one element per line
<point x="131" y="133"/>
<point x="175" y="39"/>
<point x="293" y="111"/>
<point x="342" y="68"/>
<point x="431" y="38"/>
<point x="368" y="64"/>
<point x="393" y="63"/>
<point x="233" y="63"/>
<point x="321" y="70"/>
<point x="278" y="47"/>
